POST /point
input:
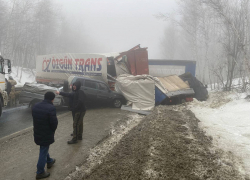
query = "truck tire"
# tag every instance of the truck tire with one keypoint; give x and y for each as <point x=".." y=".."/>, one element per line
<point x="117" y="103"/>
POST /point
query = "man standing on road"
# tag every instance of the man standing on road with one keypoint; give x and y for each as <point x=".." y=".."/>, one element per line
<point x="77" y="106"/>
<point x="12" y="94"/>
<point x="45" y="124"/>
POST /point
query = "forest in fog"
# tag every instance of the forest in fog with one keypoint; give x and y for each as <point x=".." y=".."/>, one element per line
<point x="214" y="33"/>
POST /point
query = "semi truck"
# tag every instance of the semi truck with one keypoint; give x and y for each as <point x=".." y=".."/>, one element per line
<point x="5" y="65"/>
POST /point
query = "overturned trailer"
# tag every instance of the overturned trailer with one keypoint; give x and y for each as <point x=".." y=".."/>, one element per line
<point x="143" y="92"/>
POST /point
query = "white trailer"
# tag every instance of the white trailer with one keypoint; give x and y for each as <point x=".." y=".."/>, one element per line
<point x="56" y="68"/>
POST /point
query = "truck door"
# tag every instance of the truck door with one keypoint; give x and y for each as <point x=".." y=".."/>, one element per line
<point x="103" y="94"/>
<point x="90" y="89"/>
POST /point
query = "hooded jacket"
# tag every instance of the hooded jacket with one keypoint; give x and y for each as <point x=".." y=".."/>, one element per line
<point x="76" y="98"/>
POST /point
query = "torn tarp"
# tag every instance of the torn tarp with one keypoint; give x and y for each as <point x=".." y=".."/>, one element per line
<point x="138" y="90"/>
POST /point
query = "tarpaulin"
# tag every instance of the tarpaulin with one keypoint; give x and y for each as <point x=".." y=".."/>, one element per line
<point x="35" y="92"/>
<point x="38" y="88"/>
<point x="138" y="90"/>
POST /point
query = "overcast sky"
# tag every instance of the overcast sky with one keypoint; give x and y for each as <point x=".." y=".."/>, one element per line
<point x="118" y="25"/>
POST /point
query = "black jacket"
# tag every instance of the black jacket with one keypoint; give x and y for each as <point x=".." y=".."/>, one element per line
<point x="76" y="98"/>
<point x="8" y="86"/>
<point x="44" y="122"/>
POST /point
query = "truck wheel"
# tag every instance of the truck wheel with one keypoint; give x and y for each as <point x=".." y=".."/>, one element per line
<point x="117" y="103"/>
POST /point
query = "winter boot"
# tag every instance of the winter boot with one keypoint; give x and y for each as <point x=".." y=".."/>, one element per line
<point x="43" y="175"/>
<point x="79" y="138"/>
<point x="49" y="165"/>
<point x="72" y="141"/>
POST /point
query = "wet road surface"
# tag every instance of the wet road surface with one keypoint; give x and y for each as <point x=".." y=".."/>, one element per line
<point x="19" y="118"/>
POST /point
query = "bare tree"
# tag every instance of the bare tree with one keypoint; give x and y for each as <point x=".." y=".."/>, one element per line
<point x="217" y="28"/>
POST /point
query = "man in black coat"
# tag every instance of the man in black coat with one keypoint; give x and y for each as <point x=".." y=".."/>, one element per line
<point x="77" y="106"/>
<point x="45" y="124"/>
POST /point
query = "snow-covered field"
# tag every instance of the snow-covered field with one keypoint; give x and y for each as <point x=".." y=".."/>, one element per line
<point x="226" y="117"/>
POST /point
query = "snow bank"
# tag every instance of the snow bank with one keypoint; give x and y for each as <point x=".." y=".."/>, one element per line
<point x="226" y="117"/>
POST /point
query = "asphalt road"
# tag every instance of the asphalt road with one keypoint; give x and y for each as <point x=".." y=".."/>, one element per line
<point x="19" y="118"/>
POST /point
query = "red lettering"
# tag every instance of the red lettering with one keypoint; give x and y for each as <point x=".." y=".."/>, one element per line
<point x="77" y="60"/>
<point x="87" y="63"/>
<point x="61" y="61"/>
<point x="81" y="64"/>
<point x="70" y="64"/>
<point x="93" y="64"/>
<point x="44" y="61"/>
<point x="93" y="61"/>
<point x="99" y="64"/>
<point x="99" y="61"/>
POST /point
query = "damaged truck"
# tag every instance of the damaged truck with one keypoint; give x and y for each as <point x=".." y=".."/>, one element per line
<point x="60" y="70"/>
<point x="55" y="69"/>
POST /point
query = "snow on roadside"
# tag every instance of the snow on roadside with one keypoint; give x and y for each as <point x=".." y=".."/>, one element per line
<point x="27" y="75"/>
<point x="100" y="151"/>
<point x="226" y="117"/>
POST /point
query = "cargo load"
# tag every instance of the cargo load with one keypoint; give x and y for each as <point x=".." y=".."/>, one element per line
<point x="33" y="93"/>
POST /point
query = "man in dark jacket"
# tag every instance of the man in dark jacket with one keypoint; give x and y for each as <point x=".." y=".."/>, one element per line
<point x="77" y="106"/>
<point x="45" y="124"/>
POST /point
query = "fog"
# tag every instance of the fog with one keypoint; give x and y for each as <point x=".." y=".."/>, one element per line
<point x="214" y="33"/>
<point x="115" y="26"/>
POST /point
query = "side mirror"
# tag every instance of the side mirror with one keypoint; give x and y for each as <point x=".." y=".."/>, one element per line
<point x="9" y="66"/>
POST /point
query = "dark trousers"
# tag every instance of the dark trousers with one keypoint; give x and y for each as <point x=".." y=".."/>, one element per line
<point x="43" y="159"/>
<point x="78" y="124"/>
